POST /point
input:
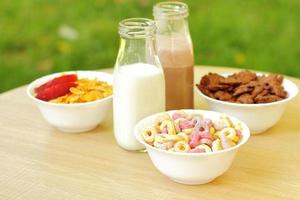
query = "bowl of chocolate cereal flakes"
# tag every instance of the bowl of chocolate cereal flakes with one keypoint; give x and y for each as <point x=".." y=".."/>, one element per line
<point x="257" y="99"/>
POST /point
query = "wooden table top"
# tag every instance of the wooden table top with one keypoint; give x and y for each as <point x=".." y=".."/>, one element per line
<point x="39" y="162"/>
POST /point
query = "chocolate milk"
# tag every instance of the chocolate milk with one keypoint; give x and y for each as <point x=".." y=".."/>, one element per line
<point x="176" y="56"/>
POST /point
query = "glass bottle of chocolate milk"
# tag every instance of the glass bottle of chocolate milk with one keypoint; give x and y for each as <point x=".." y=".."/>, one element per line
<point x="175" y="51"/>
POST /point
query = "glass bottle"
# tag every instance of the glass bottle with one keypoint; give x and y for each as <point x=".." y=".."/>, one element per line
<point x="139" y="84"/>
<point x="175" y="51"/>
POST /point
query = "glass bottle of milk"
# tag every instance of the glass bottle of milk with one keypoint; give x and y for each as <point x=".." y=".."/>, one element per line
<point x="139" y="85"/>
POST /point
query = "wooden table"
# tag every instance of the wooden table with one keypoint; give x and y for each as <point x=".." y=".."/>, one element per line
<point x="39" y="162"/>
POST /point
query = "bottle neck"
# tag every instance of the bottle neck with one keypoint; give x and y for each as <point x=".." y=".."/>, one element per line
<point x="171" y="17"/>
<point x="172" y="26"/>
<point x="137" y="43"/>
<point x="137" y="50"/>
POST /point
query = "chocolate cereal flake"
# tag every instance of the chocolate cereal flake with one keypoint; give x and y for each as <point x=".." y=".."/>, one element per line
<point x="244" y="87"/>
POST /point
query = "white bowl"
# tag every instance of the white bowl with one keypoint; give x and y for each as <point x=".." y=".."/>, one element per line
<point x="258" y="117"/>
<point x="78" y="117"/>
<point x="191" y="168"/>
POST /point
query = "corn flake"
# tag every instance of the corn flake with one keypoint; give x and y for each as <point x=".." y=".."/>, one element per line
<point x="87" y="90"/>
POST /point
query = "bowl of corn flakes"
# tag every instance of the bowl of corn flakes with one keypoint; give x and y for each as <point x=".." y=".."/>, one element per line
<point x="192" y="146"/>
<point x="73" y="101"/>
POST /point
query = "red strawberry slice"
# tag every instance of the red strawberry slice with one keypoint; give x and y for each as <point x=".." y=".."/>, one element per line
<point x="55" y="91"/>
<point x="59" y="80"/>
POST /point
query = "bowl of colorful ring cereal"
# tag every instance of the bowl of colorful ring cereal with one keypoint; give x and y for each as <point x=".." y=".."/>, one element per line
<point x="192" y="146"/>
<point x="257" y="99"/>
<point x="74" y="101"/>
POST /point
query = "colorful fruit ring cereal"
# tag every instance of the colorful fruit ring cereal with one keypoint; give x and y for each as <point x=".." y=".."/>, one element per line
<point x="182" y="132"/>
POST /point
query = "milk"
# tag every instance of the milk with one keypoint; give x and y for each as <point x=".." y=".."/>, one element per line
<point x="139" y="91"/>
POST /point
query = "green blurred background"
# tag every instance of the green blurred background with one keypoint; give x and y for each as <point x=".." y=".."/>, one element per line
<point x="38" y="37"/>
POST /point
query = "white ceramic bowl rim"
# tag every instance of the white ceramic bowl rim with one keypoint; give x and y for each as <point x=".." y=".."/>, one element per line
<point x="33" y="84"/>
<point x="245" y="134"/>
<point x="291" y="95"/>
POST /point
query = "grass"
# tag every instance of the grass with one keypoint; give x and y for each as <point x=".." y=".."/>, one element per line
<point x="256" y="34"/>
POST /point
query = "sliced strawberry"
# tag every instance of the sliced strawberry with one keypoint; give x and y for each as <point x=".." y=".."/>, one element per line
<point x="59" y="80"/>
<point x="55" y="91"/>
